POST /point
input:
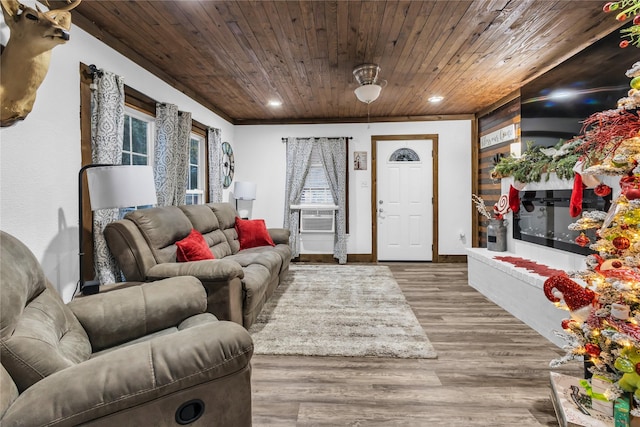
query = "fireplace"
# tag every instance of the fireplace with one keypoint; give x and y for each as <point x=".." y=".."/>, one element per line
<point x="544" y="218"/>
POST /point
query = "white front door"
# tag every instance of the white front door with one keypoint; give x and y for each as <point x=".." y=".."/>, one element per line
<point x="404" y="205"/>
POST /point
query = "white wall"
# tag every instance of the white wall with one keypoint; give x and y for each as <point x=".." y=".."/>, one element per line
<point x="261" y="158"/>
<point x="40" y="157"/>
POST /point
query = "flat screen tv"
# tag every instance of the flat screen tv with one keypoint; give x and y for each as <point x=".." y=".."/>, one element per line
<point x="554" y="105"/>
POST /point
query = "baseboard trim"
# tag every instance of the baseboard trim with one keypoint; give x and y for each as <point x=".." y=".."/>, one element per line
<point x="368" y="258"/>
<point x="329" y="259"/>
<point x="462" y="259"/>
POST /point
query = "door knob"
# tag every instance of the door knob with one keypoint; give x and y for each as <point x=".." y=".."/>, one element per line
<point x="380" y="210"/>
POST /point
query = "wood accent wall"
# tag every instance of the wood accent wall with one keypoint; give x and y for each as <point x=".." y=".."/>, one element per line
<point x="487" y="188"/>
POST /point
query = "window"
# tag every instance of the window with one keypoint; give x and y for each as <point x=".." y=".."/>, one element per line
<point x="404" y="155"/>
<point x="137" y="144"/>
<point x="195" y="186"/>
<point x="316" y="189"/>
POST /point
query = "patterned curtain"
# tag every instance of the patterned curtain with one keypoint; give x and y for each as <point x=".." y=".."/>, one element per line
<point x="171" y="154"/>
<point x="298" y="156"/>
<point x="333" y="153"/>
<point x="215" y="162"/>
<point x="107" y="132"/>
<point x="182" y="166"/>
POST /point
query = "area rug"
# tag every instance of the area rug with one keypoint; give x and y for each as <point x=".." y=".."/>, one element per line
<point x="340" y="310"/>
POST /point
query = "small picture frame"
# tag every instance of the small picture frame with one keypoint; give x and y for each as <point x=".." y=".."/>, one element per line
<point x="360" y="160"/>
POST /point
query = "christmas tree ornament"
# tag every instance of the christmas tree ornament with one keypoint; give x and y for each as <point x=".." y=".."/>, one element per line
<point x="577" y="298"/>
<point x="629" y="363"/>
<point x="620" y="311"/>
<point x="592" y="349"/>
<point x="602" y="190"/>
<point x="621" y="243"/>
<point x="582" y="240"/>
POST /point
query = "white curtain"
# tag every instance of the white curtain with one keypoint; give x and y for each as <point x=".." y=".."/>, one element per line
<point x="215" y="165"/>
<point x="298" y="156"/>
<point x="333" y="152"/>
<point x="171" y="154"/>
<point x="107" y="132"/>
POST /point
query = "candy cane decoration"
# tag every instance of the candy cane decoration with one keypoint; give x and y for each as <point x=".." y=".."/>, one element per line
<point x="502" y="207"/>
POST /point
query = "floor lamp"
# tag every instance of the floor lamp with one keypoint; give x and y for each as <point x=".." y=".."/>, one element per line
<point x="113" y="186"/>
<point x="244" y="191"/>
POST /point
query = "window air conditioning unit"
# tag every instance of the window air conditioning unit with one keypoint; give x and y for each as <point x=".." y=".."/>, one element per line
<point x="317" y="221"/>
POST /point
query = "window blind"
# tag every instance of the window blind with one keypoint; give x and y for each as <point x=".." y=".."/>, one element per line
<point x="316" y="186"/>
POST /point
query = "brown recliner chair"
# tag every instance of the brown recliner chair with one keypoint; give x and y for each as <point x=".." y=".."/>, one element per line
<point x="143" y="355"/>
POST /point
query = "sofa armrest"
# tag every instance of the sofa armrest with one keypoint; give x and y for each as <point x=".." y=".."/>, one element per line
<point x="125" y="314"/>
<point x="131" y="377"/>
<point x="212" y="270"/>
<point x="279" y="235"/>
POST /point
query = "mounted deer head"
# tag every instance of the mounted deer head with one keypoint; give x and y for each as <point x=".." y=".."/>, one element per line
<point x="25" y="60"/>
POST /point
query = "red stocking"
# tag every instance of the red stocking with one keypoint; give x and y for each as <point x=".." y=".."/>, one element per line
<point x="575" y="205"/>
<point x="514" y="199"/>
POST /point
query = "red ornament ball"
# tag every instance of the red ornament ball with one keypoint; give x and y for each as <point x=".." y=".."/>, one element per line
<point x="602" y="190"/>
<point x="582" y="240"/>
<point x="621" y="243"/>
<point x="624" y="43"/>
<point x="632" y="193"/>
<point x="568" y="323"/>
<point x="592" y="349"/>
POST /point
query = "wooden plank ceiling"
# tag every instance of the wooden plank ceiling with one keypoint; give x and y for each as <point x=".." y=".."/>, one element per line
<point x="236" y="56"/>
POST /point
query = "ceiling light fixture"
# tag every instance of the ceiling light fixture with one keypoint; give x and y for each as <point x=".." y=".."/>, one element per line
<point x="367" y="77"/>
<point x="275" y="103"/>
<point x="435" y="98"/>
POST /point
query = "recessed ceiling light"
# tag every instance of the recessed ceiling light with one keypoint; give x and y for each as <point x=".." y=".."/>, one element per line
<point x="436" y="98"/>
<point x="275" y="103"/>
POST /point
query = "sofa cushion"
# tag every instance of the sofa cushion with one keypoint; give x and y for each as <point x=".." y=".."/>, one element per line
<point x="226" y="215"/>
<point x="193" y="248"/>
<point x="206" y="222"/>
<point x="252" y="233"/>
<point x="161" y="228"/>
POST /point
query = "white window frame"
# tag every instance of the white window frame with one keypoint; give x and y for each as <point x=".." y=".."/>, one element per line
<point x="131" y="112"/>
<point x="199" y="191"/>
<point x="316" y="189"/>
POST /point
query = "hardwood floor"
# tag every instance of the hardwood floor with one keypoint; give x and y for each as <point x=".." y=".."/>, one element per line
<point x="492" y="370"/>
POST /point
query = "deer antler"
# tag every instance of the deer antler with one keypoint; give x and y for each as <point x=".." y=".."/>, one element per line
<point x="72" y="4"/>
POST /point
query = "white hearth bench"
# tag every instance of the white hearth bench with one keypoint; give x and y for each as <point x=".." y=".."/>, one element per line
<point x="516" y="290"/>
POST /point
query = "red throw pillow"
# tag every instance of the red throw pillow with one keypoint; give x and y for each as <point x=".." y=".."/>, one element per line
<point x="252" y="233"/>
<point x="193" y="248"/>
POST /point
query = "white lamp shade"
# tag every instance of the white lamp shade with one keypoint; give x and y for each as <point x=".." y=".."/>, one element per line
<point x="244" y="190"/>
<point x="121" y="186"/>
<point x="368" y="93"/>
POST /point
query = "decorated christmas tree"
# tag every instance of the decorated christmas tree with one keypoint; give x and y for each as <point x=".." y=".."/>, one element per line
<point x="604" y="299"/>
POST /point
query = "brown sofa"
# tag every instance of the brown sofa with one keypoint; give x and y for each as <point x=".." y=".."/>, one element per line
<point x="142" y="355"/>
<point x="238" y="282"/>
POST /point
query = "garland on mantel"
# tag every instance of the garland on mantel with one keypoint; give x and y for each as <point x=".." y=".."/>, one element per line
<point x="537" y="161"/>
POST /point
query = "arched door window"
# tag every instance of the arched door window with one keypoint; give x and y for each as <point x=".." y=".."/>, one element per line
<point x="404" y="155"/>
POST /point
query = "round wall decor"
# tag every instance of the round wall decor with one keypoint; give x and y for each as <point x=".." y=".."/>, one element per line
<point x="228" y="164"/>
